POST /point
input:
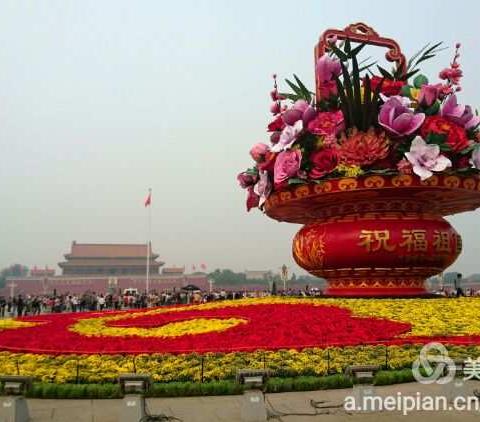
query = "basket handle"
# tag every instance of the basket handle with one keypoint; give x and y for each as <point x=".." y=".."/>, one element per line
<point x="359" y="32"/>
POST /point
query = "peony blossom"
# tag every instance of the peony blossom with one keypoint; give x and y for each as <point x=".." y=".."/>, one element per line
<point x="288" y="136"/>
<point x="460" y="114"/>
<point x="263" y="188"/>
<point x="426" y="159"/>
<point x="328" y="123"/>
<point x="429" y="94"/>
<point x="323" y="162"/>
<point x="246" y="179"/>
<point x="389" y="86"/>
<point x="398" y="119"/>
<point x="286" y="166"/>
<point x="258" y="152"/>
<point x="455" y="135"/>
<point x="475" y="161"/>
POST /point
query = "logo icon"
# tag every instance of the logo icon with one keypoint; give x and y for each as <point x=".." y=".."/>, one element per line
<point x="441" y="372"/>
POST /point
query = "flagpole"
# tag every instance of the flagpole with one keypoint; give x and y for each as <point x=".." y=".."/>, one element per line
<point x="149" y="246"/>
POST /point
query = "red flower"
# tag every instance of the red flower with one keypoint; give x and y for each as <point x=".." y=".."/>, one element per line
<point x="456" y="137"/>
<point x="328" y="123"/>
<point x="389" y="86"/>
<point x="252" y="199"/>
<point x="276" y="125"/>
<point x="324" y="162"/>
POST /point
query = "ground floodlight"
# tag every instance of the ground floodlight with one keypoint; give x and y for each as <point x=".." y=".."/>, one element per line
<point x="15" y="385"/>
<point x="252" y="378"/>
<point x="362" y="373"/>
<point x="134" y="383"/>
<point x="14" y="407"/>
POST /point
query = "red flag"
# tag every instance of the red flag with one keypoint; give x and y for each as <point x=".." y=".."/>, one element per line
<point x="148" y="199"/>
<point x="203" y="266"/>
<point x="194" y="268"/>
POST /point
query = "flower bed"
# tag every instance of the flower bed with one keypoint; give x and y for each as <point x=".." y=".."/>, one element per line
<point x="291" y="336"/>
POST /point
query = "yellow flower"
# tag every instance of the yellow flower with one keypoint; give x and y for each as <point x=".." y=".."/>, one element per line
<point x="350" y="171"/>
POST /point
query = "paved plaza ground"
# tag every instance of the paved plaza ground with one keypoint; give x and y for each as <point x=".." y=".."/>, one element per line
<point x="228" y="408"/>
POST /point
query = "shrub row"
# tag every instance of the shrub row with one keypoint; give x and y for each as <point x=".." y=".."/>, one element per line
<point x="211" y="388"/>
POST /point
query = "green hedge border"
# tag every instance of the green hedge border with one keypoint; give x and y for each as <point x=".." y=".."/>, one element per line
<point x="212" y="388"/>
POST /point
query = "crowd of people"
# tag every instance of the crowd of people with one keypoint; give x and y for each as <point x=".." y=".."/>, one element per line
<point x="21" y="305"/>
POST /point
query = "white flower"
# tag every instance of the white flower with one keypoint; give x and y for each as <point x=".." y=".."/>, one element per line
<point x="288" y="136"/>
<point x="426" y="158"/>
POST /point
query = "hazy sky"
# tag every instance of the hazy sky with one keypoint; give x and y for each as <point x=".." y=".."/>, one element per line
<point x="100" y="100"/>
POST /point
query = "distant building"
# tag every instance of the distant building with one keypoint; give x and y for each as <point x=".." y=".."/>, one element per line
<point x="42" y="272"/>
<point x="173" y="271"/>
<point x="258" y="275"/>
<point x="108" y="259"/>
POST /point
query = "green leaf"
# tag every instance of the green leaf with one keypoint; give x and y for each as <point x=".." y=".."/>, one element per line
<point x="296" y="181"/>
<point x="339" y="53"/>
<point x="419" y="81"/>
<point x="343" y="102"/>
<point x="303" y="88"/>
<point x="295" y="88"/>
<point x="367" y="99"/>
<point x="410" y="74"/>
<point x="385" y="73"/>
<point x="347" y="84"/>
<point x="405" y="90"/>
<point x="347" y="47"/>
<point x="357" y="49"/>
<point x="357" y="100"/>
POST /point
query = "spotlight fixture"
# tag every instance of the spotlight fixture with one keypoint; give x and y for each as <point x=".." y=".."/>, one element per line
<point x="15" y="385"/>
<point x="252" y="378"/>
<point x="361" y="374"/>
<point x="134" y="383"/>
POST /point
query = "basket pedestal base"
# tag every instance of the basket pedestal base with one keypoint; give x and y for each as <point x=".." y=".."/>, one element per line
<point x="377" y="254"/>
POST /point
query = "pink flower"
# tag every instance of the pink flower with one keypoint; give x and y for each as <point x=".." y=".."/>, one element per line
<point x="286" y="166"/>
<point x="308" y="115"/>
<point x="404" y="167"/>
<point x="252" y="199"/>
<point x="327" y="70"/>
<point x="397" y="118"/>
<point x="459" y="114"/>
<point x="275" y="108"/>
<point x="426" y="158"/>
<point x="288" y="136"/>
<point x="452" y="75"/>
<point x="263" y="188"/>
<point x="258" y="152"/>
<point x="429" y="94"/>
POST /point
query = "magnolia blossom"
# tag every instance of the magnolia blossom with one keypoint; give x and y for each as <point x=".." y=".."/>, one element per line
<point x="263" y="188"/>
<point x="475" y="161"/>
<point x="288" y="136"/>
<point x="459" y="114"/>
<point x="397" y="118"/>
<point x="426" y="158"/>
<point x="327" y="70"/>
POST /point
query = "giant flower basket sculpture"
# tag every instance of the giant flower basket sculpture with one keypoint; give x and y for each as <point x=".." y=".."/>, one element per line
<point x="370" y="164"/>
